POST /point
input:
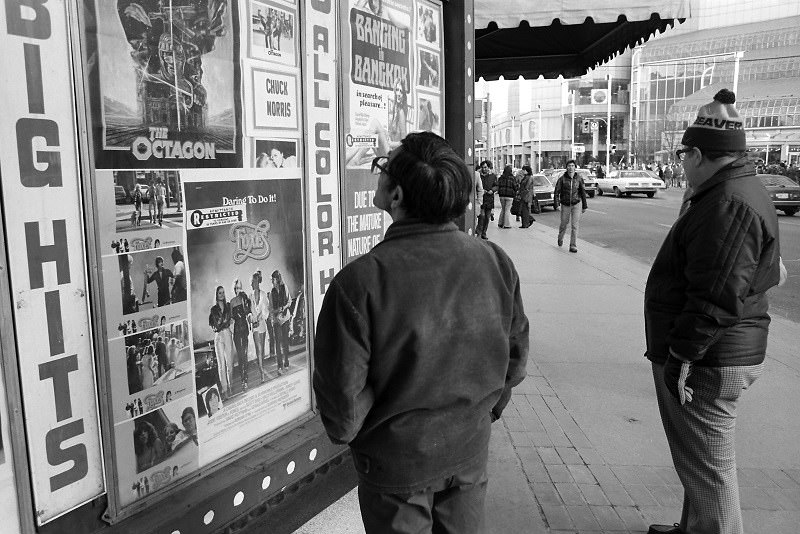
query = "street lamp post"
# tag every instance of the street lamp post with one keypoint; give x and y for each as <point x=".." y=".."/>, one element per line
<point x="572" y="128"/>
<point x="539" y="131"/>
<point x="511" y="138"/>
<point x="608" y="126"/>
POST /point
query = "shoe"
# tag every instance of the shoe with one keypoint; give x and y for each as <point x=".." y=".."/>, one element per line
<point x="665" y="529"/>
<point x="560" y="242"/>
<point x="573" y="249"/>
<point x="484" y="236"/>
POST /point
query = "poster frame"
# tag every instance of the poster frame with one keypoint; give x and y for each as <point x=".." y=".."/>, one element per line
<point x="115" y="511"/>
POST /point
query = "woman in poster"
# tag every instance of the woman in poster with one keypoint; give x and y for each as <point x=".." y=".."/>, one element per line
<point x="240" y="309"/>
<point x="149" y="366"/>
<point x="146" y="444"/>
<point x="134" y="371"/>
<point x="387" y="139"/>
<point x="279" y="298"/>
<point x="398" y="115"/>
<point x="259" y="312"/>
<point x="219" y="319"/>
<point x="179" y="281"/>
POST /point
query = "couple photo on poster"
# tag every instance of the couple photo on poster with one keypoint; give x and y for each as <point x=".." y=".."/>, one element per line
<point x="147" y="282"/>
<point x="157" y="436"/>
<point x="247" y="301"/>
<point x="165" y="74"/>
<point x="272" y="32"/>
<point x="157" y="356"/>
<point x="275" y="153"/>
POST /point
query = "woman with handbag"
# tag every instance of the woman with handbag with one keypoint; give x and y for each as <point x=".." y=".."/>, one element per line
<point x="506" y="190"/>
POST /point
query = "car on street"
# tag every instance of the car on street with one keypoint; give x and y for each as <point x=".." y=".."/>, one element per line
<point x="589" y="180"/>
<point x="120" y="195"/>
<point x="783" y="191"/>
<point x="543" y="190"/>
<point x="627" y="183"/>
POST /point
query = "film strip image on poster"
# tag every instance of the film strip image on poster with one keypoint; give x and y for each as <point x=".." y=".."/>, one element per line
<point x="245" y="255"/>
<point x="139" y="210"/>
<point x="149" y="368"/>
<point x="272" y="32"/>
<point x="156" y="449"/>
<point x="165" y="84"/>
<point x="428" y="26"/>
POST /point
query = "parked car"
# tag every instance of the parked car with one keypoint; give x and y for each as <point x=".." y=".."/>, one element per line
<point x="629" y="182"/>
<point x="785" y="194"/>
<point x="589" y="180"/>
<point x="120" y="195"/>
<point x="543" y="189"/>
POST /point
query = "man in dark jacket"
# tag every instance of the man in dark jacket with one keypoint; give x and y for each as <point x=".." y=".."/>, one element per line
<point x="418" y="345"/>
<point x="570" y="193"/>
<point x="489" y="182"/>
<point x="706" y="317"/>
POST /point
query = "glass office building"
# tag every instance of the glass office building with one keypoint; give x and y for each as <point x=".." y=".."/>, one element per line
<point x="673" y="76"/>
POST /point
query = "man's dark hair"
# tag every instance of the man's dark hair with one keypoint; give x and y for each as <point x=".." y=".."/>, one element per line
<point x="527" y="169"/>
<point x="573" y="162"/>
<point x="487" y="163"/>
<point x="436" y="182"/>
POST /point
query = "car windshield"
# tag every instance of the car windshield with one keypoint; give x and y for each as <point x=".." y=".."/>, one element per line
<point x="540" y="180"/>
<point x="634" y="174"/>
<point x="776" y="180"/>
<point x="584" y="173"/>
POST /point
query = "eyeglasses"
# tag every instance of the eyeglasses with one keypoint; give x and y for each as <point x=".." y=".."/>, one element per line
<point x="379" y="165"/>
<point x="681" y="153"/>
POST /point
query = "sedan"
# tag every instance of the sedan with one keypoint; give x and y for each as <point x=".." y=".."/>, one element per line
<point x="543" y="190"/>
<point x="785" y="194"/>
<point x="629" y="182"/>
<point x="120" y="195"/>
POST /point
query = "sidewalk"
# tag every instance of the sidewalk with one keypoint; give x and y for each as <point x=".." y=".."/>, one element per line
<point x="580" y="448"/>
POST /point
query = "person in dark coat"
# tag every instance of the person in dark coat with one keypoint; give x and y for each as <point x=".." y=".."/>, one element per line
<point x="705" y="310"/>
<point x="570" y="194"/>
<point x="413" y="396"/>
<point x="489" y="183"/>
<point x="506" y="189"/>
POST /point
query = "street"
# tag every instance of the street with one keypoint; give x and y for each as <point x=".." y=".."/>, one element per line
<point x="636" y="226"/>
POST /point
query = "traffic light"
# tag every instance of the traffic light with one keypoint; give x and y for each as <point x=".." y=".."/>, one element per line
<point x="587" y="126"/>
<point x="613" y="149"/>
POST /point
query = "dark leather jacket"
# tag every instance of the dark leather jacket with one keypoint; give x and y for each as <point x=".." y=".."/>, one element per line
<point x="570" y="191"/>
<point x="706" y="294"/>
<point x="417" y="342"/>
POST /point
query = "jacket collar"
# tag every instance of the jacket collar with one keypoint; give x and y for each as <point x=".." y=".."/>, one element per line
<point x="410" y="227"/>
<point x="735" y="169"/>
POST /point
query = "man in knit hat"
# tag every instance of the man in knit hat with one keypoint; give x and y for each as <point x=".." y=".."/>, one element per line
<point x="706" y="319"/>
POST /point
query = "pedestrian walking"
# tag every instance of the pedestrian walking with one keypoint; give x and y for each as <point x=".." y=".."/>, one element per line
<point x="668" y="175"/>
<point x="570" y="194"/>
<point x="706" y="319"/>
<point x="506" y="189"/>
<point x="489" y="183"/>
<point x="526" y="196"/>
<point x="415" y="400"/>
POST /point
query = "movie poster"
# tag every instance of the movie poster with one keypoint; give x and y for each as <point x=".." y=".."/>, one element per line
<point x="392" y="62"/>
<point x="272" y="99"/>
<point x="165" y="84"/>
<point x="272" y="32"/>
<point x="275" y="153"/>
<point x="245" y="256"/>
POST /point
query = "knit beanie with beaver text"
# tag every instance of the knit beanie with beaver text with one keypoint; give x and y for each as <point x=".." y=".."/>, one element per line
<point x="718" y="127"/>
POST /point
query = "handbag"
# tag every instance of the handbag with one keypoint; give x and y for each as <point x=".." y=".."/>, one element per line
<point x="515" y="205"/>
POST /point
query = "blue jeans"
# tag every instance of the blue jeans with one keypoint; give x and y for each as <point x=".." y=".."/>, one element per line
<point x="570" y="214"/>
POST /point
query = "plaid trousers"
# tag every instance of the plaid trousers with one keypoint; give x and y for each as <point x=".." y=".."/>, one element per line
<point x="700" y="435"/>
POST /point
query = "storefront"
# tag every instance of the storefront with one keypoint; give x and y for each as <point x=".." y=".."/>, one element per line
<point x="181" y="179"/>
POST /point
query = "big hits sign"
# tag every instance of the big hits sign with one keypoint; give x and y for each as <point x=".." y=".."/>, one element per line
<point x="42" y="209"/>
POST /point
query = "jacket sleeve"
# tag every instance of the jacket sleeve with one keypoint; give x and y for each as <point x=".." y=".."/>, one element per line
<point x="518" y="351"/>
<point x="341" y="362"/>
<point x="582" y="193"/>
<point x="557" y="194"/>
<point x="723" y="250"/>
<point x="478" y="188"/>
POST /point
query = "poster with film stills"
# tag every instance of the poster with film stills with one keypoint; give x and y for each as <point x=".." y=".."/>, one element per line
<point x="393" y="85"/>
<point x="245" y="257"/>
<point x="165" y="84"/>
<point x="271" y="32"/>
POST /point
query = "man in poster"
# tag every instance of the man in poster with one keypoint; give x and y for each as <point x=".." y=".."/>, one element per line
<point x="412" y="396"/>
